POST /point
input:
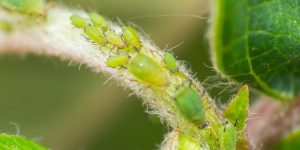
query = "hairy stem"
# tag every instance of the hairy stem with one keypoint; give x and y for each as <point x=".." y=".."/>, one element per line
<point x="52" y="34"/>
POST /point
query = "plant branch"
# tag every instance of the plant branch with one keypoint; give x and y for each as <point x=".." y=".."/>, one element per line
<point x="53" y="35"/>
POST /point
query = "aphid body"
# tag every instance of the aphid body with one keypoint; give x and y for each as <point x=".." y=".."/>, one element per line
<point x="131" y="37"/>
<point x="190" y="105"/>
<point x="148" y="70"/>
<point x="99" y="21"/>
<point x="228" y="137"/>
<point x="78" y="21"/>
<point x="170" y="62"/>
<point x="117" y="61"/>
<point x="115" y="39"/>
<point x="95" y="35"/>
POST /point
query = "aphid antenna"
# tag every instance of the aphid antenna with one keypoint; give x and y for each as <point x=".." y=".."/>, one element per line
<point x="178" y="45"/>
<point x="170" y="15"/>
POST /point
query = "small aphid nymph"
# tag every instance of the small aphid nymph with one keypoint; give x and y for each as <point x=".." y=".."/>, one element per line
<point x="78" y="21"/>
<point x="228" y="137"/>
<point x="148" y="70"/>
<point x="131" y="37"/>
<point x="99" y="21"/>
<point x="190" y="105"/>
<point x="170" y="62"/>
<point x="117" y="61"/>
<point x="95" y="35"/>
<point x="115" y="39"/>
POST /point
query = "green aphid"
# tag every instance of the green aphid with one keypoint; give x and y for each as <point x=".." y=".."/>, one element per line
<point x="190" y="105"/>
<point x="115" y="39"/>
<point x="228" y="136"/>
<point x="117" y="61"/>
<point x="127" y="49"/>
<point x="24" y="6"/>
<point x="148" y="70"/>
<point x="170" y="62"/>
<point x="99" y="21"/>
<point x="95" y="35"/>
<point x="78" y="21"/>
<point x="187" y="143"/>
<point x="131" y="37"/>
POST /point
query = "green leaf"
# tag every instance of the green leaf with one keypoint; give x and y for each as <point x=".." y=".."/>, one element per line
<point x="12" y="142"/>
<point x="237" y="110"/>
<point x="258" y="42"/>
<point x="290" y="142"/>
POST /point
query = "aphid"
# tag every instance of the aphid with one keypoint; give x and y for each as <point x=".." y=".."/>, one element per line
<point x="187" y="143"/>
<point x="95" y="35"/>
<point x="99" y="21"/>
<point x="115" y="39"/>
<point x="117" y="61"/>
<point x="131" y="37"/>
<point x="78" y="21"/>
<point x="170" y="62"/>
<point x="24" y="6"/>
<point x="148" y="70"/>
<point x="228" y="137"/>
<point x="190" y="105"/>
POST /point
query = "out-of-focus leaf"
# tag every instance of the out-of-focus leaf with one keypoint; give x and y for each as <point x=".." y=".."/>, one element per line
<point x="258" y="42"/>
<point x="290" y="142"/>
<point x="12" y="142"/>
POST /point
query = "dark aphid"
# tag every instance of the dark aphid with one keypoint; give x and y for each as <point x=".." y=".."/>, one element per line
<point x="117" y="61"/>
<point x="78" y="21"/>
<point x="95" y="35"/>
<point x="170" y="62"/>
<point x="99" y="21"/>
<point x="190" y="105"/>
<point x="131" y="37"/>
<point x="148" y="70"/>
<point x="115" y="39"/>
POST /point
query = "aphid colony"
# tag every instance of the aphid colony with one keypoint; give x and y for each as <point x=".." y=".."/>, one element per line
<point x="131" y="56"/>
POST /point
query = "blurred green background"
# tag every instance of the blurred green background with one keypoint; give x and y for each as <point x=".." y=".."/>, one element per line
<point x="64" y="106"/>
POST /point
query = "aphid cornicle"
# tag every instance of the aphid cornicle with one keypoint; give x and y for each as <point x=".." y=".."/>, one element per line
<point x="190" y="105"/>
<point x="170" y="62"/>
<point x="95" y="35"/>
<point x="115" y="39"/>
<point x="117" y="61"/>
<point x="99" y="21"/>
<point x="78" y="21"/>
<point x="148" y="70"/>
<point x="131" y="37"/>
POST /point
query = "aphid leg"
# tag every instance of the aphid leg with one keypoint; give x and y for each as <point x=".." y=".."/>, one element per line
<point x="235" y="123"/>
